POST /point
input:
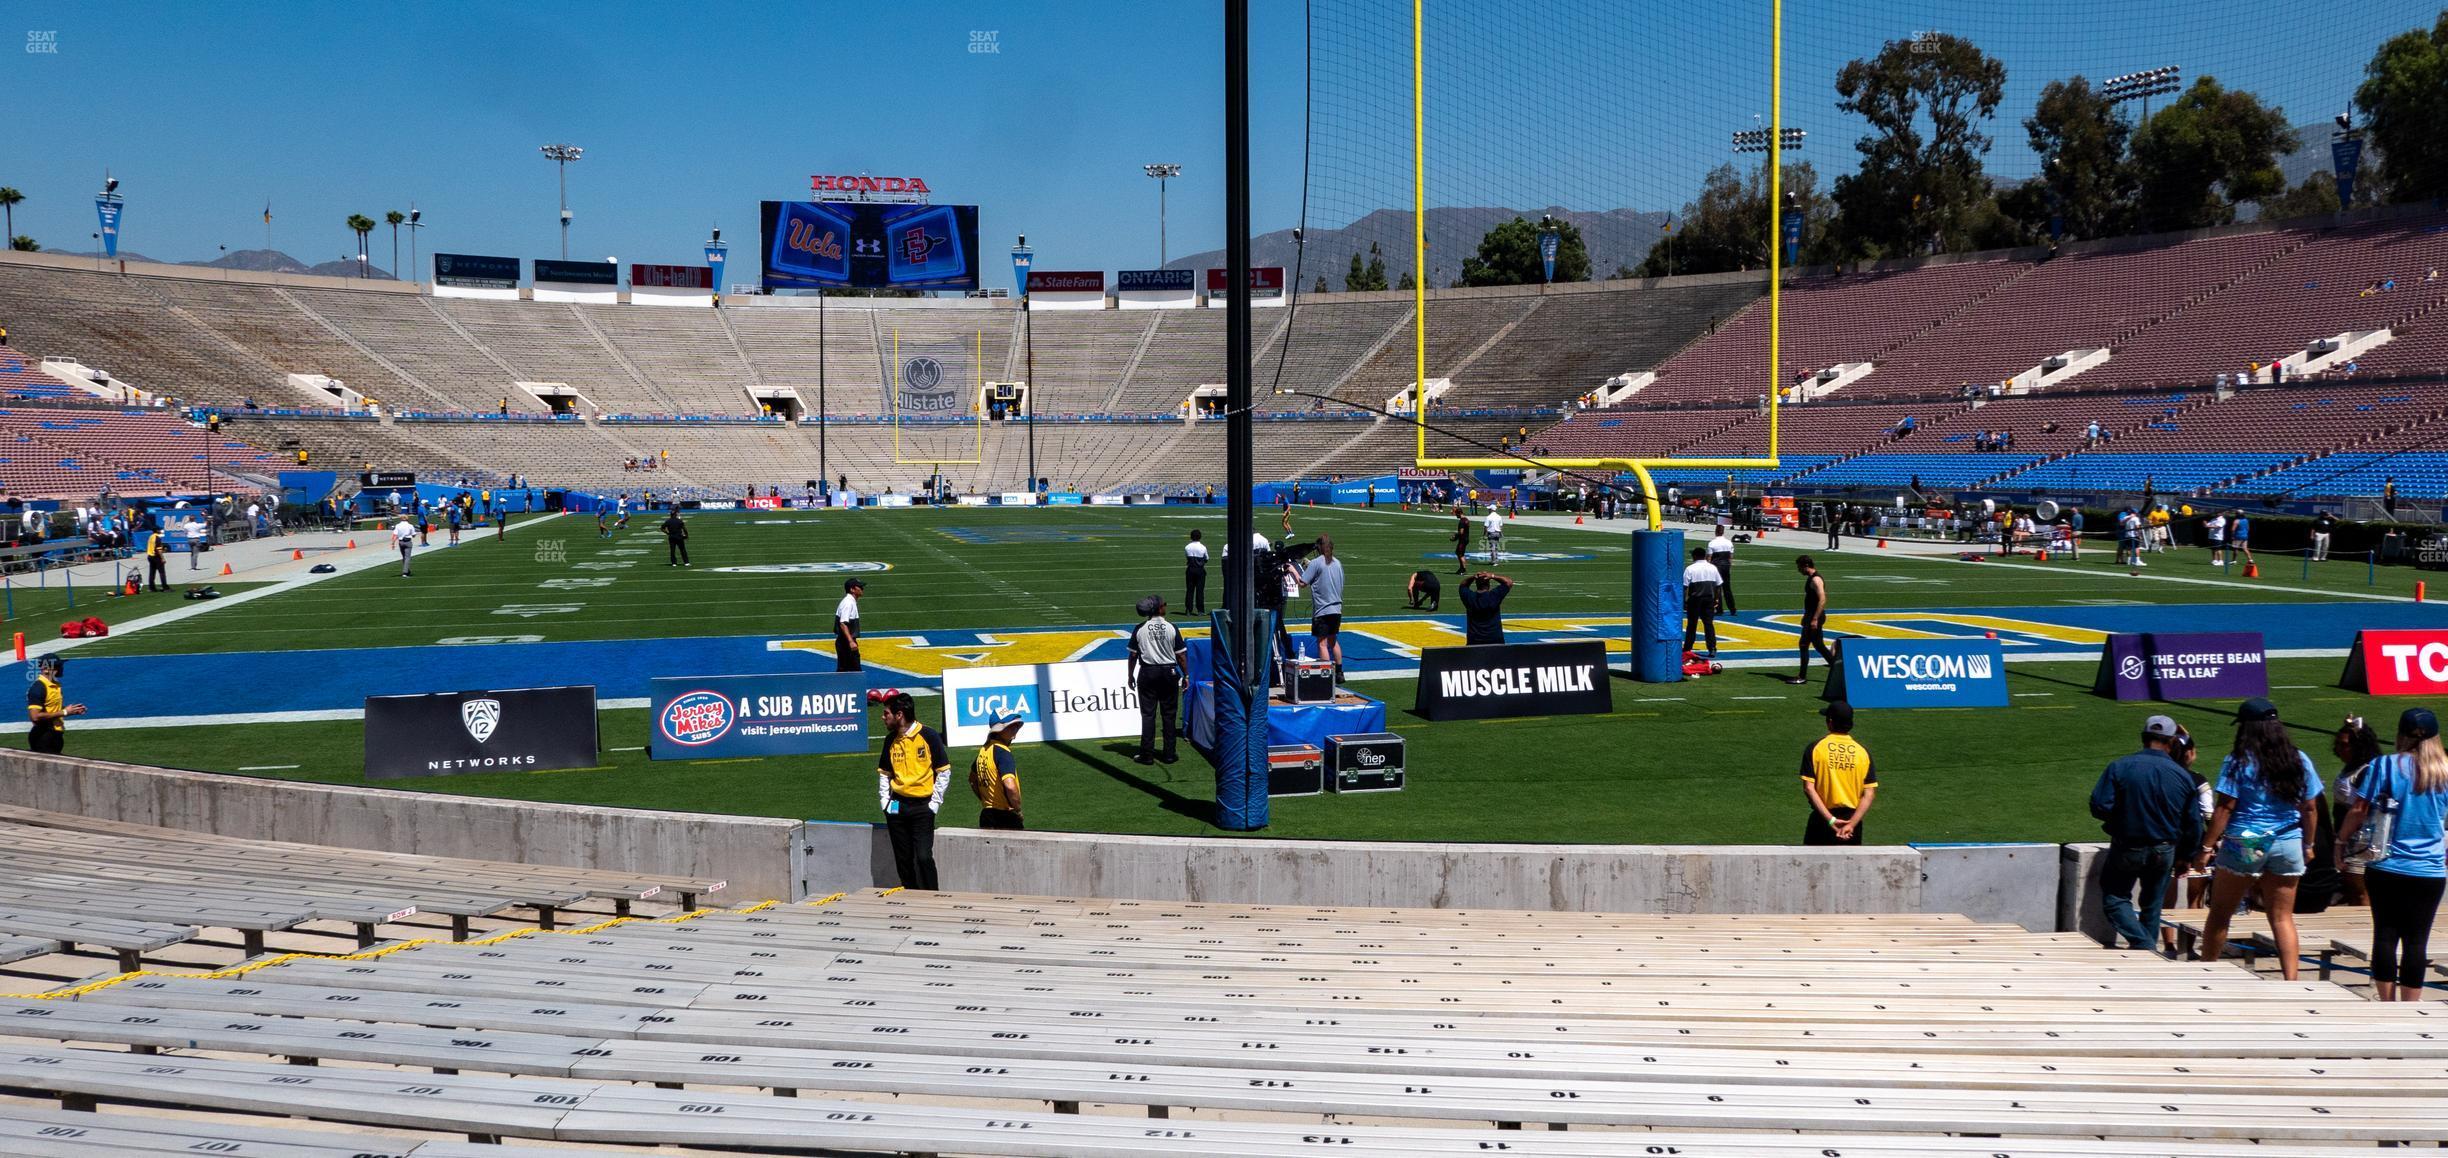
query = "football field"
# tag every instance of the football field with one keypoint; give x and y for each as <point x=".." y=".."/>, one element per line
<point x="272" y="686"/>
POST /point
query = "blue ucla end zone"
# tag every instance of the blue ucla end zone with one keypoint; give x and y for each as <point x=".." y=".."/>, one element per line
<point x="219" y="687"/>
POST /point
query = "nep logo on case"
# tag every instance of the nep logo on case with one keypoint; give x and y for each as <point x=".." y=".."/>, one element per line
<point x="696" y="718"/>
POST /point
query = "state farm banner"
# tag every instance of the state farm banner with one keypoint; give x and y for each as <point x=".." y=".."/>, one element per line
<point x="1066" y="281"/>
<point x="1057" y="701"/>
<point x="2411" y="662"/>
<point x="2227" y="665"/>
<point x="800" y="713"/>
<point x="1919" y="673"/>
<point x="454" y="733"/>
<point x="1493" y="680"/>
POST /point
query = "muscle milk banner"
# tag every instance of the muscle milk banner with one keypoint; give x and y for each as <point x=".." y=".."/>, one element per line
<point x="2398" y="663"/>
<point x="1058" y="701"/>
<point x="1919" y="673"/>
<point x="2199" y="666"/>
<point x="455" y="733"/>
<point x="697" y="718"/>
<point x="1493" y="680"/>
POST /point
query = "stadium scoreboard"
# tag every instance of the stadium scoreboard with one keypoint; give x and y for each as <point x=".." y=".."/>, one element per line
<point x="868" y="245"/>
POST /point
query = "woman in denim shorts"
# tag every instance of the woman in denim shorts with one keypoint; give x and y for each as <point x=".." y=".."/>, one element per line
<point x="2267" y="790"/>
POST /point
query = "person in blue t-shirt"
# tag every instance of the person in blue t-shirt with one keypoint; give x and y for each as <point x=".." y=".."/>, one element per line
<point x="2406" y="881"/>
<point x="2266" y="795"/>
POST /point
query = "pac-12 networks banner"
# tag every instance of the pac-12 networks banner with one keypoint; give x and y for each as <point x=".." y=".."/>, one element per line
<point x="837" y="244"/>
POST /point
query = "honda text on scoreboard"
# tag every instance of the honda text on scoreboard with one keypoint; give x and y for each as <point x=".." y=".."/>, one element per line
<point x="869" y="245"/>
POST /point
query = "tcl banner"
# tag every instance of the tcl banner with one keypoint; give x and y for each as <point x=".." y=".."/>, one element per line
<point x="1493" y="680"/>
<point x="453" y="733"/>
<point x="671" y="276"/>
<point x="701" y="717"/>
<point x="1055" y="701"/>
<point x="1265" y="281"/>
<point x="2398" y="663"/>
<point x="763" y="503"/>
<point x="1066" y="281"/>
<point x="1919" y="673"/>
<point x="2197" y="666"/>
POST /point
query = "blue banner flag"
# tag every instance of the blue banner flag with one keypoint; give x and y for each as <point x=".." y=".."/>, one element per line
<point x="2345" y="154"/>
<point x="107" y="207"/>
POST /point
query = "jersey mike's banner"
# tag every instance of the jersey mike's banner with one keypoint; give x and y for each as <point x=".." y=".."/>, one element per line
<point x="2229" y="665"/>
<point x="1492" y="680"/>
<point x="862" y="245"/>
<point x="577" y="272"/>
<point x="1919" y="673"/>
<point x="475" y="271"/>
<point x="455" y="733"/>
<point x="1055" y="701"/>
<point x="701" y="717"/>
<point x="2398" y="663"/>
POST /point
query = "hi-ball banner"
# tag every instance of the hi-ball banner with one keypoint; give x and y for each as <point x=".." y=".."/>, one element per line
<point x="2230" y="665"/>
<point x="1057" y="701"/>
<point x="1491" y="680"/>
<point x="702" y="717"/>
<point x="1919" y="673"/>
<point x="455" y="733"/>
<point x="869" y="245"/>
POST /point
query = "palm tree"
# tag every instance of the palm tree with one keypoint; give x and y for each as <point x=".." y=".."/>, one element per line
<point x="8" y="205"/>
<point x="362" y="226"/>
<point x="393" y="219"/>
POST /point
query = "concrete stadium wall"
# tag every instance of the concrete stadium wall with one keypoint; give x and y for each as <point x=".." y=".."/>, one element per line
<point x="759" y="856"/>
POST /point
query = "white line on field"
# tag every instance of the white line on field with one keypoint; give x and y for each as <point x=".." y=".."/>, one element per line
<point x="266" y="767"/>
<point x="2030" y="695"/>
<point x="1763" y="697"/>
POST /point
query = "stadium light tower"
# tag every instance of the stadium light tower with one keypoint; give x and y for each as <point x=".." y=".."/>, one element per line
<point x="561" y="156"/>
<point x="2142" y="86"/>
<point x="1162" y="173"/>
<point x="416" y="221"/>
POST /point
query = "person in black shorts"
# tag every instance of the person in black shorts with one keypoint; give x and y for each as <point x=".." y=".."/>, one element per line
<point x="1461" y="540"/>
<point x="1423" y="589"/>
<point x="1814" y="619"/>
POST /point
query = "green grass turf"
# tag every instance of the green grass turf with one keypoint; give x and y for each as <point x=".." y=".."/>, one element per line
<point x="1086" y="566"/>
<point x="1703" y="761"/>
<point x="38" y="604"/>
<point x="1687" y="763"/>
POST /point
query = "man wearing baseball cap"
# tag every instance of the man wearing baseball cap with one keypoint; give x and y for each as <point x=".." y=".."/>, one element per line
<point x="846" y="626"/>
<point x="995" y="775"/>
<point x="1838" y="779"/>
<point x="2146" y="803"/>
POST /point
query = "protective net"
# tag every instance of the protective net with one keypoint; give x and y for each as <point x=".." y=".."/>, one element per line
<point x="938" y="376"/>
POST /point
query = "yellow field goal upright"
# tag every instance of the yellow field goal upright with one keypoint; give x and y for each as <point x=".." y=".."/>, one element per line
<point x="924" y="385"/>
<point x="1419" y="283"/>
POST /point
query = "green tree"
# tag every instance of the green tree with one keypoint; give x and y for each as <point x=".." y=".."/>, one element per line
<point x="1920" y="180"/>
<point x="1321" y="284"/>
<point x="9" y="200"/>
<point x="2404" y="97"/>
<point x="2087" y="178"/>
<point x="2207" y="151"/>
<point x="362" y="226"/>
<point x="2314" y="196"/>
<point x="1726" y="228"/>
<point x="1369" y="277"/>
<point x="1406" y="282"/>
<point x="394" y="219"/>
<point x="23" y="244"/>
<point x="1509" y="255"/>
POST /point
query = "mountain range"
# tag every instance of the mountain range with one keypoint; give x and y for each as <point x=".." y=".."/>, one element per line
<point x="253" y="261"/>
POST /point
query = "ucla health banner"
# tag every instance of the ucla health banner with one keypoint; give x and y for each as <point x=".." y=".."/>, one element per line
<point x="2229" y="665"/>
<point x="107" y="208"/>
<point x="1919" y="673"/>
<point x="1055" y="701"/>
<point x="701" y="717"/>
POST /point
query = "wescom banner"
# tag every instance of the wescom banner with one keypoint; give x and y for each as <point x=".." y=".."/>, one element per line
<point x="2398" y="663"/>
<point x="1919" y="673"/>
<point x="701" y="717"/>
<point x="454" y="733"/>
<point x="1057" y="701"/>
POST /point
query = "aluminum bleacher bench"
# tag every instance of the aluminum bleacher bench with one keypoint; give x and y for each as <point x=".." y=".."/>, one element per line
<point x="71" y="926"/>
<point x="492" y="1108"/>
<point x="39" y="1132"/>
<point x="15" y="948"/>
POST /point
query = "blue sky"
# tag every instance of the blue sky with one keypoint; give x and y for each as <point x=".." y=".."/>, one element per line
<point x="692" y="114"/>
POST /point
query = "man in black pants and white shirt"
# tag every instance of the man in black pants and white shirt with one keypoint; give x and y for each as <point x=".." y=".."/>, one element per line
<point x="1155" y="672"/>
<point x="846" y="627"/>
<point x="1194" y="576"/>
<point x="1721" y="556"/>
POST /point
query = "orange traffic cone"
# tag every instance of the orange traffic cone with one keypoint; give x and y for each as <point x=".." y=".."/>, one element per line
<point x="295" y="554"/>
<point x="1576" y="520"/>
<point x="352" y="544"/>
<point x="2418" y="592"/>
<point x="1882" y="544"/>
<point x="2252" y="570"/>
<point x="225" y="569"/>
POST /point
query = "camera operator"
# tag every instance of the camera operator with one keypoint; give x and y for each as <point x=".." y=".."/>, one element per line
<point x="1276" y="576"/>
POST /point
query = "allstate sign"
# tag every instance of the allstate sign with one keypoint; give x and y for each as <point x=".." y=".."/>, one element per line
<point x="1919" y="673"/>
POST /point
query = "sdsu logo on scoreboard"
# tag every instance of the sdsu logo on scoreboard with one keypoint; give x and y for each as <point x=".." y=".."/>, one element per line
<point x="696" y="719"/>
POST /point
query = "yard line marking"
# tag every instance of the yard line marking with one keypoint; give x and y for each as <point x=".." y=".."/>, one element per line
<point x="2024" y="695"/>
<point x="2294" y="687"/>
<point x="266" y="767"/>
<point x="639" y="748"/>
<point x="1763" y="697"/>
